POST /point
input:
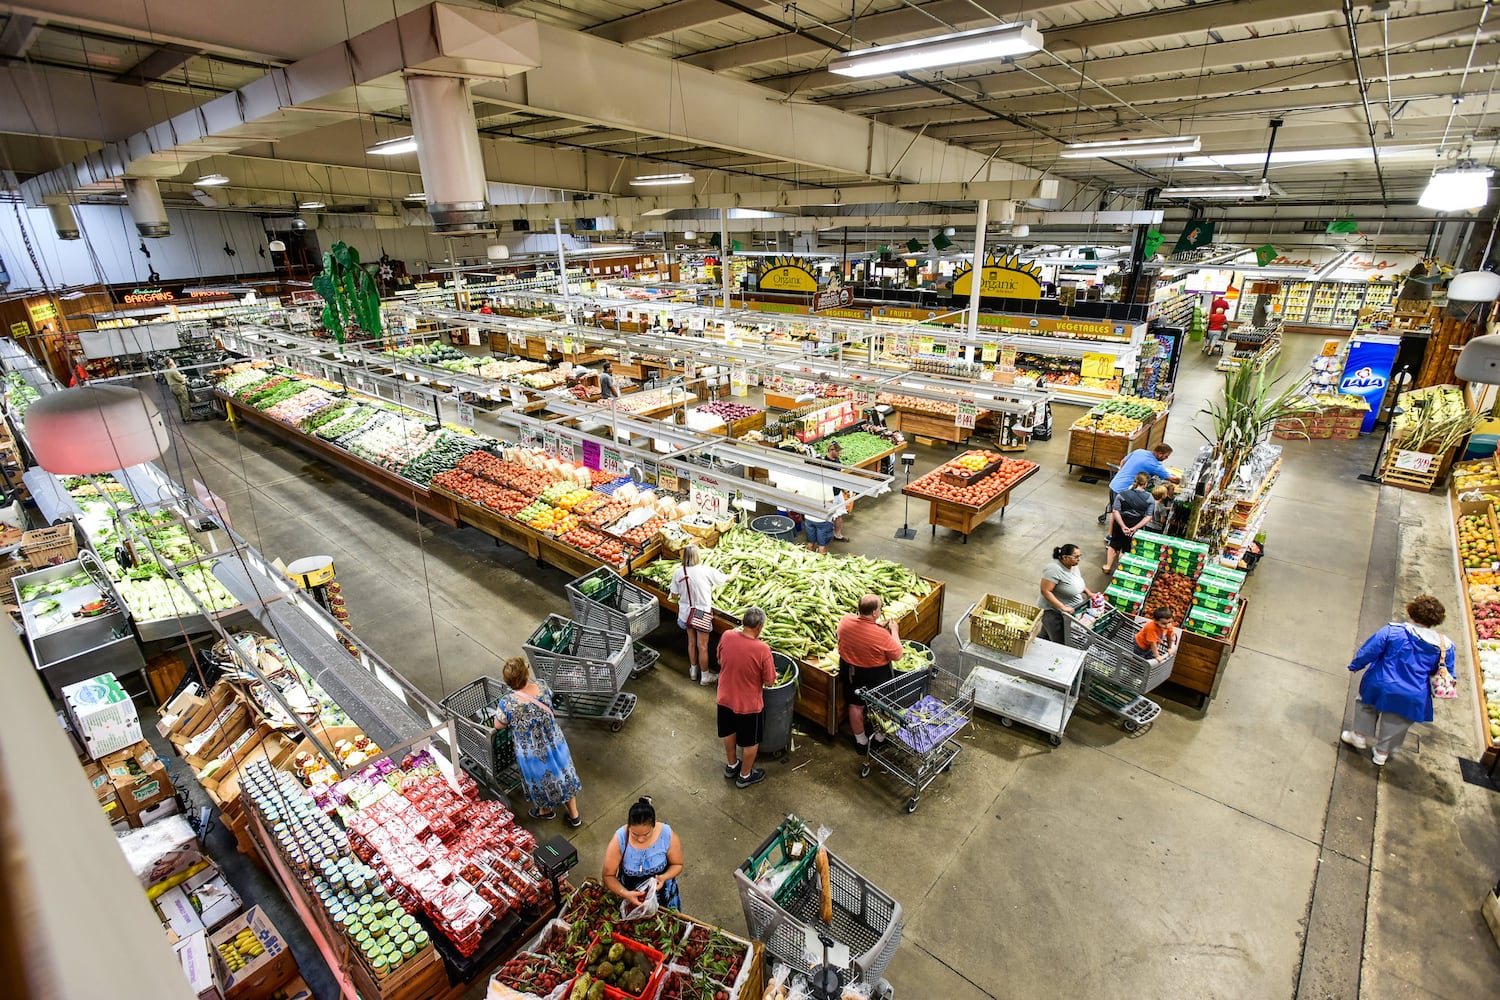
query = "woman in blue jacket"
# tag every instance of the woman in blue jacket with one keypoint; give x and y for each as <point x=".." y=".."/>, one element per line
<point x="1396" y="691"/>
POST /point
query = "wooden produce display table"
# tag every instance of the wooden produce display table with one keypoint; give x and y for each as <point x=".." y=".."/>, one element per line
<point x="926" y="425"/>
<point x="539" y="545"/>
<point x="403" y="489"/>
<point x="1091" y="450"/>
<point x="1201" y="659"/>
<point x="961" y="517"/>
<point x="820" y="699"/>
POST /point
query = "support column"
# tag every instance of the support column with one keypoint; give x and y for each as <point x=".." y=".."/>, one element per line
<point x="983" y="222"/>
<point x="562" y="262"/>
<point x="725" y="248"/>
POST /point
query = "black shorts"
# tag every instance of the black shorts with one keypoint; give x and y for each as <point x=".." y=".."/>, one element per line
<point x="1121" y="542"/>
<point x="744" y="728"/>
<point x="854" y="678"/>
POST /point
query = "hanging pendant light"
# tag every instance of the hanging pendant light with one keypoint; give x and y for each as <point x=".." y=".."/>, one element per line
<point x="1461" y="188"/>
<point x="91" y="429"/>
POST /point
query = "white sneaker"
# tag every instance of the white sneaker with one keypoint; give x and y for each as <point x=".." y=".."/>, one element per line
<point x="1356" y="741"/>
<point x="692" y="673"/>
<point x="1378" y="757"/>
<point x="709" y="678"/>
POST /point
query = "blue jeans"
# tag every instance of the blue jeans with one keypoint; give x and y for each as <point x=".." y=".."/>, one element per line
<point x="819" y="533"/>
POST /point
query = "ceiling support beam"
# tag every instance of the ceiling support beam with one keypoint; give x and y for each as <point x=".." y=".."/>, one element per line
<point x="680" y="16"/>
<point x="17" y="35"/>
<point x="158" y="64"/>
<point x="791" y="199"/>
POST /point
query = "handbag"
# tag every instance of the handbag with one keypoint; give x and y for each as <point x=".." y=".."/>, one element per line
<point x="1443" y="684"/>
<point x="698" y="619"/>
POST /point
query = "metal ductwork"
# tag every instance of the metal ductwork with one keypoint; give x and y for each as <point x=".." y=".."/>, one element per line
<point x="150" y="215"/>
<point x="442" y="120"/>
<point x="64" y="220"/>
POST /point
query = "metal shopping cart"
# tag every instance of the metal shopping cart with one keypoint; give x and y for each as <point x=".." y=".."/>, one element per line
<point x="605" y="600"/>
<point x="486" y="753"/>
<point x="1116" y="677"/>
<point x="585" y="667"/>
<point x="921" y="713"/>
<point x="867" y="923"/>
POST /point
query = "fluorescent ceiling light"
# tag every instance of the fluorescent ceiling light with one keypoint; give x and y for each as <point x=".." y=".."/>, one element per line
<point x="417" y="196"/>
<point x="310" y="204"/>
<point x="1457" y="189"/>
<point x="1280" y="156"/>
<point x="398" y="146"/>
<point x="1132" y="148"/>
<point x="212" y="180"/>
<point x="978" y="45"/>
<point x="658" y="180"/>
<point x="1260" y="190"/>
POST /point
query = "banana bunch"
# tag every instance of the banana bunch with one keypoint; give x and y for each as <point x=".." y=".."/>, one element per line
<point x="241" y="950"/>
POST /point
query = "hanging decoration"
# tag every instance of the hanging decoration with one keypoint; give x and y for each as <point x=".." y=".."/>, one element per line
<point x="785" y="274"/>
<point x="1153" y="242"/>
<point x="1197" y="233"/>
<point x="349" y="292"/>
<point x="1001" y="278"/>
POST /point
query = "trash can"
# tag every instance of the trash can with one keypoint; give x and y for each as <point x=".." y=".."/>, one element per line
<point x="776" y="721"/>
<point x="782" y="529"/>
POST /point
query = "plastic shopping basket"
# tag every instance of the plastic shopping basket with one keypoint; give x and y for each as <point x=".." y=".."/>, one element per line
<point x="487" y="753"/>
<point x="614" y="604"/>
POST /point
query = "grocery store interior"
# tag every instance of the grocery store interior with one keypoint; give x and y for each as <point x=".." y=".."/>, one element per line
<point x="371" y="374"/>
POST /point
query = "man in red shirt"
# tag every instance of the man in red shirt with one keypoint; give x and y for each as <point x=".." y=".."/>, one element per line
<point x="867" y="648"/>
<point x="745" y="668"/>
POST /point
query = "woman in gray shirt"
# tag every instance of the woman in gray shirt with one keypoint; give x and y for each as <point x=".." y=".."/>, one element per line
<point x="1063" y="590"/>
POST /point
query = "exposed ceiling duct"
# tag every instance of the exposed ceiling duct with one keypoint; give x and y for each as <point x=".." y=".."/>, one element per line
<point x="64" y="220"/>
<point x="150" y="215"/>
<point x="442" y="121"/>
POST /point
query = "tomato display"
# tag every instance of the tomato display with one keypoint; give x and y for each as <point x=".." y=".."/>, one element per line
<point x="977" y="493"/>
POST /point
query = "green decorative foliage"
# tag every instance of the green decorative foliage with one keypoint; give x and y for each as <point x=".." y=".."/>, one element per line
<point x="349" y="292"/>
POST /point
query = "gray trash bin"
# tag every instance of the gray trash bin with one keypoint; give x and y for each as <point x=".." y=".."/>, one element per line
<point x="776" y="722"/>
<point x="778" y="527"/>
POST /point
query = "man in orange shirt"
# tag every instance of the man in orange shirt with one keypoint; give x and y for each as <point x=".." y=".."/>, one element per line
<point x="745" y="669"/>
<point x="867" y="648"/>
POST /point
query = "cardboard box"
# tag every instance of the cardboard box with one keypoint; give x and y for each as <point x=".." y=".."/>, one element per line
<point x="130" y="762"/>
<point x="262" y="975"/>
<point x="157" y="852"/>
<point x="98" y="779"/>
<point x="102" y="715"/>
<point x="200" y="903"/>
<point x="139" y="792"/>
<point x="160" y="811"/>
<point x="110" y="803"/>
<point x="176" y="711"/>
<point x="198" y="966"/>
<point x="297" y="989"/>
<point x="223" y="786"/>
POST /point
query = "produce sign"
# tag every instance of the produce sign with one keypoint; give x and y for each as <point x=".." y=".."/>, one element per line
<point x="936" y="485"/>
<point x="803" y="593"/>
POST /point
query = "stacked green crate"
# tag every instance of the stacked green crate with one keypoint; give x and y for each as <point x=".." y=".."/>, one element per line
<point x="1124" y="600"/>
<point x="1215" y="601"/>
<point x="1131" y="562"/>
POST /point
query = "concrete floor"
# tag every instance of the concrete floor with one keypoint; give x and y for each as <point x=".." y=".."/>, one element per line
<point x="1220" y="854"/>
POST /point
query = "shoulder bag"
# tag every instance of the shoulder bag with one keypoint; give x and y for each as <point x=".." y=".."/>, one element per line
<point x="699" y="619"/>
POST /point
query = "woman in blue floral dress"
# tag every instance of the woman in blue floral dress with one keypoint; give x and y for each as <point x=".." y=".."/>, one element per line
<point x="547" y="771"/>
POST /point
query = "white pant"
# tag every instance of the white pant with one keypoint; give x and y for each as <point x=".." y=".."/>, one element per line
<point x="1384" y="731"/>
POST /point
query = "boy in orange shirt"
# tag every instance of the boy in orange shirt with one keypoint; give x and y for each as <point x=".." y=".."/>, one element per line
<point x="1156" y="636"/>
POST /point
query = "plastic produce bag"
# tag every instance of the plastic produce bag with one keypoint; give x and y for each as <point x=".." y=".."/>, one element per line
<point x="856" y="991"/>
<point x="649" y="906"/>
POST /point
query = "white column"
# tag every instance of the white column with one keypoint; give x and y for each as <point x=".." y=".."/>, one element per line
<point x="974" y="279"/>
<point x="724" y="250"/>
<point x="562" y="263"/>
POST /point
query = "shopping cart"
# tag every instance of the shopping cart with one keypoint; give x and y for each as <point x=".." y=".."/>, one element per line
<point x="1116" y="677"/>
<point x="486" y="753"/>
<point x="919" y="714"/>
<point x="605" y="600"/>
<point x="585" y="667"/>
<point x="866" y="924"/>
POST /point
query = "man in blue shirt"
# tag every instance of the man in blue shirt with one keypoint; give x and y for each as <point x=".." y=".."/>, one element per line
<point x="1138" y="461"/>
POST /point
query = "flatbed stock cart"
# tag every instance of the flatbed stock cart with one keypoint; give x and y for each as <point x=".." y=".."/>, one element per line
<point x="919" y="714"/>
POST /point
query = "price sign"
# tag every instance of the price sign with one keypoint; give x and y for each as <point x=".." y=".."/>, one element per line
<point x="1008" y="358"/>
<point x="567" y="345"/>
<point x="611" y="461"/>
<point x="591" y="454"/>
<point x="863" y="399"/>
<point x="517" y="397"/>
<point x="965" y="413"/>
<point x="528" y="437"/>
<point x="516" y="338"/>
<point x="707" y="494"/>
<point x="1098" y="366"/>
<point x="924" y="345"/>
<point x="689" y="369"/>
<point x="1414" y="461"/>
<point x="466" y="415"/>
<point x="473" y="336"/>
<point x="20" y="330"/>
<point x="987" y="353"/>
<point x="648" y="471"/>
<point x="738" y="385"/>
<point x="549" y="442"/>
<point x="569" y="452"/>
<point x="667" y="480"/>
